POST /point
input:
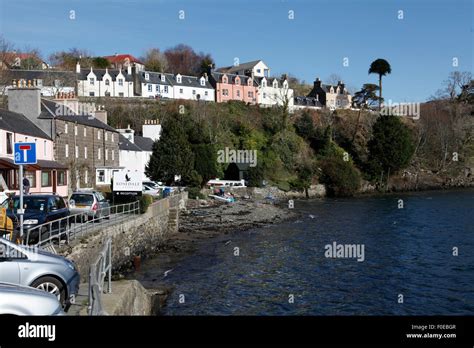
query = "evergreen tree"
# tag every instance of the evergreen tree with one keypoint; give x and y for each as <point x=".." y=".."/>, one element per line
<point x="172" y="154"/>
<point x="391" y="147"/>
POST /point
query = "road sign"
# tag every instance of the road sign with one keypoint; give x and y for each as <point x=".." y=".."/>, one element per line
<point x="25" y="153"/>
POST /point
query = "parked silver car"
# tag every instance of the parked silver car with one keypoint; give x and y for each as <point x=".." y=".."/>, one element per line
<point x="24" y="300"/>
<point x="91" y="203"/>
<point x="31" y="266"/>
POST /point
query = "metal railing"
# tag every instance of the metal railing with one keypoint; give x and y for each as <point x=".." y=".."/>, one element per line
<point x="77" y="225"/>
<point x="100" y="269"/>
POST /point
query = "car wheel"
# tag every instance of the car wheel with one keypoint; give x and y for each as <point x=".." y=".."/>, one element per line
<point x="51" y="285"/>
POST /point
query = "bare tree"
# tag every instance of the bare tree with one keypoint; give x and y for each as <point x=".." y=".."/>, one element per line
<point x="333" y="79"/>
<point x="155" y="60"/>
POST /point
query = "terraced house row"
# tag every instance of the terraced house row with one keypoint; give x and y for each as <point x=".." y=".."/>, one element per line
<point x="249" y="82"/>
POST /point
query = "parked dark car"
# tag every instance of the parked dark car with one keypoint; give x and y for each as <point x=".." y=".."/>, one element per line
<point x="39" y="209"/>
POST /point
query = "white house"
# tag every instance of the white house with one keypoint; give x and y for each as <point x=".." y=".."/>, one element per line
<point x="134" y="150"/>
<point x="274" y="92"/>
<point x="192" y="88"/>
<point x="104" y="82"/>
<point x="256" y="68"/>
<point x="154" y="85"/>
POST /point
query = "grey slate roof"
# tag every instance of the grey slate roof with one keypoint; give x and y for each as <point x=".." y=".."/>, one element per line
<point x="307" y="101"/>
<point x="125" y="144"/>
<point x="99" y="73"/>
<point x="240" y="67"/>
<point x="48" y="110"/>
<point x="18" y="123"/>
<point x="217" y="76"/>
<point x="154" y="77"/>
<point x="146" y="144"/>
<point x="67" y="78"/>
<point x="189" y="81"/>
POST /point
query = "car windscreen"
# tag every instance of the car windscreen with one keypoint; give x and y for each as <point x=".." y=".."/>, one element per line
<point x="80" y="198"/>
<point x="30" y="203"/>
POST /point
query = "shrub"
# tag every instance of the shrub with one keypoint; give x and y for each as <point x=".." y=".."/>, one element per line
<point x="145" y="201"/>
<point x="340" y="177"/>
<point x="195" y="192"/>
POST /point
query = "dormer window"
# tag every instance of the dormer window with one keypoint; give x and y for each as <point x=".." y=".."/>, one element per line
<point x="264" y="84"/>
<point x="91" y="81"/>
<point x="178" y="79"/>
<point x="107" y="82"/>
<point x="203" y="81"/>
<point x="237" y="81"/>
<point x="120" y="82"/>
<point x="224" y="79"/>
<point x="163" y="78"/>
<point x="275" y="84"/>
<point x="147" y="76"/>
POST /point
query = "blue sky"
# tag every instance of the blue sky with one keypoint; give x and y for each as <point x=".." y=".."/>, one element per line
<point x="420" y="47"/>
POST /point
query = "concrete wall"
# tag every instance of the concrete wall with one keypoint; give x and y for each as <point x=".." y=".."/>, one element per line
<point x="138" y="236"/>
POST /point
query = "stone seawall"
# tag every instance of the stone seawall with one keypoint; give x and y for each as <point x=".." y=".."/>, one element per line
<point x="138" y="236"/>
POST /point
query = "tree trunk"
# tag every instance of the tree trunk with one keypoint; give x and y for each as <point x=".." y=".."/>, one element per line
<point x="380" y="92"/>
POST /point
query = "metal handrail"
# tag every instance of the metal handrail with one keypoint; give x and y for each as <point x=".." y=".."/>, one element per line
<point x="77" y="225"/>
<point x="99" y="270"/>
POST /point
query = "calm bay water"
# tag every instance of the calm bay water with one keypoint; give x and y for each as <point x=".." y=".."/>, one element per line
<point x="407" y="251"/>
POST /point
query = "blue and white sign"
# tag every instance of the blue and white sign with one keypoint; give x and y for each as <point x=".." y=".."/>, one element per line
<point x="25" y="153"/>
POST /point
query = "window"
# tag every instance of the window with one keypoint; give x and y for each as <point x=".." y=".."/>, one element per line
<point x="120" y="82"/>
<point x="98" y="134"/>
<point x="206" y="93"/>
<point x="250" y="94"/>
<point x="264" y="84"/>
<point x="106" y="154"/>
<point x="166" y="89"/>
<point x="237" y="81"/>
<point x="91" y="81"/>
<point x="224" y="79"/>
<point x="121" y="94"/>
<point x="85" y="132"/>
<point x="45" y="178"/>
<point x="77" y="151"/>
<point x="31" y="176"/>
<point x="66" y="150"/>
<point x="86" y="176"/>
<point x="238" y="93"/>
<point x="85" y="151"/>
<point x="225" y="92"/>
<point x="75" y="130"/>
<point x="150" y="88"/>
<point x="264" y="95"/>
<point x="158" y="88"/>
<point x="259" y="71"/>
<point x="107" y="82"/>
<point x="65" y="128"/>
<point x="62" y="178"/>
<point x="60" y="203"/>
<point x="147" y="76"/>
<point x="91" y="94"/>
<point x="194" y="92"/>
<point x="178" y="79"/>
<point x="9" y="143"/>
<point x="203" y="81"/>
<point x="101" y="176"/>
<point x="98" y="153"/>
<point x="39" y="83"/>
<point x="181" y="90"/>
<point x="107" y="94"/>
<point x="275" y="84"/>
<point x="163" y="78"/>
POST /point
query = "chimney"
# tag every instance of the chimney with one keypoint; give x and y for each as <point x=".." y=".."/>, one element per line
<point x="206" y="76"/>
<point x="78" y="67"/>
<point x="26" y="101"/>
<point x="317" y="82"/>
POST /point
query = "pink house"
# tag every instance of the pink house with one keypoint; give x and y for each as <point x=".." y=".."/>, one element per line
<point x="45" y="176"/>
<point x="233" y="87"/>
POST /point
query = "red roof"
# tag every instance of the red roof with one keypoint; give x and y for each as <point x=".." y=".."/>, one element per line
<point x="118" y="58"/>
